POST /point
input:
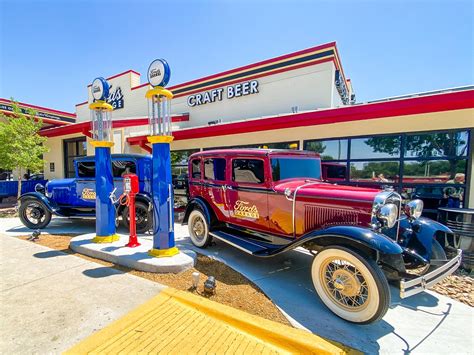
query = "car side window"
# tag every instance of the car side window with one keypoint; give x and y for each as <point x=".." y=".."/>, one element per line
<point x="196" y="168"/>
<point x="248" y="171"/>
<point x="214" y="169"/>
<point x="86" y="169"/>
<point x="123" y="167"/>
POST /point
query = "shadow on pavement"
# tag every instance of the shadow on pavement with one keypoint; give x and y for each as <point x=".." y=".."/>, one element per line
<point x="101" y="272"/>
<point x="49" y="254"/>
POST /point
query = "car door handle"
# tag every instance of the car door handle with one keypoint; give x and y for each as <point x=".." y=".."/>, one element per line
<point x="226" y="187"/>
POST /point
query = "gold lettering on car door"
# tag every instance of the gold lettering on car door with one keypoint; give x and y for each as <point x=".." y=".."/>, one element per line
<point x="242" y="210"/>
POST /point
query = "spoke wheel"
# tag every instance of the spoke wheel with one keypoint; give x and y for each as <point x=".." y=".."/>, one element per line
<point x="34" y="214"/>
<point x="351" y="286"/>
<point x="143" y="218"/>
<point x="199" y="229"/>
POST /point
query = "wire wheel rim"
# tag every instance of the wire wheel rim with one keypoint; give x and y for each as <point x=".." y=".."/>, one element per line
<point x="345" y="284"/>
<point x="198" y="228"/>
<point x="34" y="213"/>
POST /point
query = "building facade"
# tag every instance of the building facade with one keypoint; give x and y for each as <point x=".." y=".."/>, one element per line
<point x="418" y="144"/>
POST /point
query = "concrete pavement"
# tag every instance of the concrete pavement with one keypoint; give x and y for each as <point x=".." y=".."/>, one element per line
<point x="425" y="323"/>
<point x="50" y="300"/>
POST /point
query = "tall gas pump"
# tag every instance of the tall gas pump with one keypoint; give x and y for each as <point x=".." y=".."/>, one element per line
<point x="101" y="117"/>
<point x="160" y="137"/>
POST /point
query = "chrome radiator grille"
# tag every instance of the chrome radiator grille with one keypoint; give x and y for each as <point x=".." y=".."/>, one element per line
<point x="321" y="217"/>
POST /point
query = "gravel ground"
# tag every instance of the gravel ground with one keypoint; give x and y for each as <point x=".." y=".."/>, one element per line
<point x="459" y="286"/>
<point x="232" y="289"/>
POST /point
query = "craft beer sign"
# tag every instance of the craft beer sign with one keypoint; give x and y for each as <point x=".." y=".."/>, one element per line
<point x="237" y="90"/>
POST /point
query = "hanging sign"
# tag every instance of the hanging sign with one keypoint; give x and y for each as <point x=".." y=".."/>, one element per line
<point x="159" y="73"/>
<point x="100" y="89"/>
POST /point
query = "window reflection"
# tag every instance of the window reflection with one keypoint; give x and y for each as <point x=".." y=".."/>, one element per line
<point x="449" y="144"/>
<point x="335" y="149"/>
<point x="432" y="171"/>
<point x="375" y="147"/>
<point x="384" y="172"/>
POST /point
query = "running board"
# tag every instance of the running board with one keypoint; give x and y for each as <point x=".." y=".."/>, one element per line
<point x="252" y="247"/>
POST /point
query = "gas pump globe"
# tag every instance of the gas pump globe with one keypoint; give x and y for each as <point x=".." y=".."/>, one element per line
<point x="101" y="117"/>
<point x="160" y="137"/>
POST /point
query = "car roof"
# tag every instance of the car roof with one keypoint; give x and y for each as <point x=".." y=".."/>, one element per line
<point x="117" y="156"/>
<point x="254" y="152"/>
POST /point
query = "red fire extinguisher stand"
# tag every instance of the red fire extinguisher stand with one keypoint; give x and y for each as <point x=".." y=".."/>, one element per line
<point x="130" y="189"/>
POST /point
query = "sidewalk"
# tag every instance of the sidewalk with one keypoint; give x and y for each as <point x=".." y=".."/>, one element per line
<point x="50" y="300"/>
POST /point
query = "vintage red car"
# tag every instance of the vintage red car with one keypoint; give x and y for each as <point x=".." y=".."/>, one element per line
<point x="266" y="202"/>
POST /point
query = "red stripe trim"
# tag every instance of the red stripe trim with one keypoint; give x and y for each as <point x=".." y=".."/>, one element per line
<point x="45" y="120"/>
<point x="256" y="76"/>
<point x="117" y="75"/>
<point x="140" y="86"/>
<point x="71" y="115"/>
<point x="250" y="66"/>
<point x="86" y="126"/>
<point x="411" y="106"/>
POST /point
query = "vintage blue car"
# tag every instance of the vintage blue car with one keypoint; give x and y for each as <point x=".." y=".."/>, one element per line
<point x="76" y="197"/>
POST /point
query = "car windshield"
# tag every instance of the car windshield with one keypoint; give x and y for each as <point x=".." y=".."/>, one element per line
<point x="294" y="167"/>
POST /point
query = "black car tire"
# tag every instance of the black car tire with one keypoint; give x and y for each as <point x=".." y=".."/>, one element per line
<point x="40" y="208"/>
<point x="350" y="285"/>
<point x="144" y="217"/>
<point x="198" y="228"/>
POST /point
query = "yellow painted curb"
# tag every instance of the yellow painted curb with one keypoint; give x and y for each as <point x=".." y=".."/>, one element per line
<point x="180" y="322"/>
<point x="105" y="239"/>
<point x="163" y="253"/>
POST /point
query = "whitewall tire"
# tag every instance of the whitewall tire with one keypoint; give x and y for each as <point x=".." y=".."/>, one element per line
<point x="199" y="229"/>
<point x="351" y="286"/>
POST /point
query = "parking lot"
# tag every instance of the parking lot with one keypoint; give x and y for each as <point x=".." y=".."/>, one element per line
<point x="425" y="323"/>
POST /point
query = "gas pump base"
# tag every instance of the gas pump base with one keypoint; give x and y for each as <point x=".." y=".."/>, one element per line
<point x="137" y="258"/>
<point x="106" y="239"/>
<point x="163" y="253"/>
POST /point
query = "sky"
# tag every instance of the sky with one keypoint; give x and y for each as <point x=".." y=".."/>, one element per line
<point x="51" y="50"/>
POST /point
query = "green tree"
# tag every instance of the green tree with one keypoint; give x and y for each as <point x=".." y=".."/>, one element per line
<point x="21" y="147"/>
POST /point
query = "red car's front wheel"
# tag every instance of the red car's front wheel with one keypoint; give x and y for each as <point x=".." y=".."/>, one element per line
<point x="351" y="286"/>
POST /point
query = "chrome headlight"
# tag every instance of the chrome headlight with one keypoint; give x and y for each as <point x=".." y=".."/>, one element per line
<point x="414" y="208"/>
<point x="388" y="215"/>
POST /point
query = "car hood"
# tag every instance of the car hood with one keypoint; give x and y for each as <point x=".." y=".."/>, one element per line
<point x="326" y="190"/>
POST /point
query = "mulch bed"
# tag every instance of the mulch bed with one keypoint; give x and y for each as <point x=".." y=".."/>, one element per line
<point x="232" y="289"/>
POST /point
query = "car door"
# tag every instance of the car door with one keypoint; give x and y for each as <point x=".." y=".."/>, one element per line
<point x="214" y="185"/>
<point x="246" y="193"/>
<point x="85" y="193"/>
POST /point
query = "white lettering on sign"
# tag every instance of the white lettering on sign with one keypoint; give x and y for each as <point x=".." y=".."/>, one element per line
<point x="237" y="90"/>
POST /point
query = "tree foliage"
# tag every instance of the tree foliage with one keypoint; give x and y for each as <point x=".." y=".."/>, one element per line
<point x="21" y="147"/>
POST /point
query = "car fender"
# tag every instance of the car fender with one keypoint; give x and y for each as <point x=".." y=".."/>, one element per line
<point x="50" y="205"/>
<point x="418" y="234"/>
<point x="355" y="235"/>
<point x="201" y="204"/>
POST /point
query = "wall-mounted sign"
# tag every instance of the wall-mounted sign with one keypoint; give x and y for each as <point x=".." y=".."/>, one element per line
<point x="7" y="107"/>
<point x="115" y="98"/>
<point x="341" y="87"/>
<point x="159" y="73"/>
<point x="100" y="89"/>
<point x="237" y="90"/>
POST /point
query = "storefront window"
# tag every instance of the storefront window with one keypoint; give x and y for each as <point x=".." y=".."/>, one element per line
<point x="375" y="147"/>
<point x="73" y="148"/>
<point x="335" y="149"/>
<point x="451" y="144"/>
<point x="429" y="166"/>
<point x="384" y="172"/>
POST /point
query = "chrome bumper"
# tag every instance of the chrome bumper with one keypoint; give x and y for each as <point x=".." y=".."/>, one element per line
<point x="414" y="286"/>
